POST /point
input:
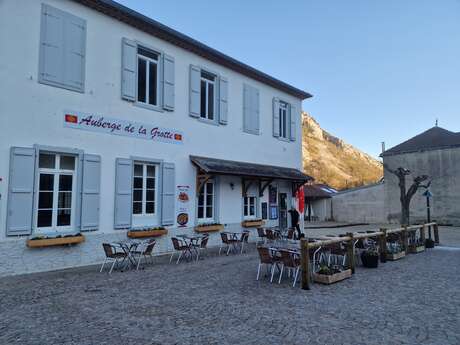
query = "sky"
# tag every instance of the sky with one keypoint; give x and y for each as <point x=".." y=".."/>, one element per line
<point x="378" y="70"/>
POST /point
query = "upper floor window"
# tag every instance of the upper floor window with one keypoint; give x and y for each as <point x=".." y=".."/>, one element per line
<point x="62" y="49"/>
<point x="147" y="76"/>
<point x="208" y="95"/>
<point x="284" y="120"/>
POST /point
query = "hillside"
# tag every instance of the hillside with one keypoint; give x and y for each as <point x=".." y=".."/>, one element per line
<point x="332" y="161"/>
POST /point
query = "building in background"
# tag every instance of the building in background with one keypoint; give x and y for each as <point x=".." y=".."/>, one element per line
<point x="111" y="121"/>
<point x="318" y="202"/>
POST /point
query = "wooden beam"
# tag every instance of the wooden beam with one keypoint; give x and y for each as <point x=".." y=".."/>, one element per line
<point x="351" y="252"/>
<point x="245" y="184"/>
<point x="383" y="245"/>
<point x="305" y="264"/>
<point x="201" y="179"/>
<point x="436" y="233"/>
<point x="262" y="186"/>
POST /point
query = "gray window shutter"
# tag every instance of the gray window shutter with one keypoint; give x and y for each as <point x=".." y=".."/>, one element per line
<point x="195" y="91"/>
<point x="223" y="100"/>
<point x="168" y="82"/>
<point x="276" y="117"/>
<point x="123" y="193"/>
<point x="74" y="52"/>
<point x="293" y="116"/>
<point x="168" y="194"/>
<point x="21" y="191"/>
<point x="51" y="46"/>
<point x="90" y="192"/>
<point x="251" y="109"/>
<point x="128" y="69"/>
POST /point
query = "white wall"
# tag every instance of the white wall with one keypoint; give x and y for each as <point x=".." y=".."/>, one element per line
<point x="31" y="113"/>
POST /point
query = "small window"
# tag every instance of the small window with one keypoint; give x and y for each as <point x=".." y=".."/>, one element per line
<point x="147" y="76"/>
<point x="249" y="207"/>
<point x="206" y="202"/>
<point x="144" y="189"/>
<point x="208" y="96"/>
<point x="284" y="120"/>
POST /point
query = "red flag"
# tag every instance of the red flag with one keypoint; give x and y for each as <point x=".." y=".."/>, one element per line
<point x="301" y="199"/>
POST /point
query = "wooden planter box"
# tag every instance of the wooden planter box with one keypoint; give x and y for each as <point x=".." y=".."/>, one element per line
<point x="395" y="256"/>
<point x="252" y="223"/>
<point x="418" y="249"/>
<point x="209" y="228"/>
<point x="331" y="279"/>
<point x="48" y="242"/>
<point x="147" y="233"/>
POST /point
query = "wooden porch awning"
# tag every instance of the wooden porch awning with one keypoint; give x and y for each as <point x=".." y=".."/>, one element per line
<point x="213" y="166"/>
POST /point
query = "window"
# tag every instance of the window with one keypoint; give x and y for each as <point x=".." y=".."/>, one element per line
<point x="249" y="207"/>
<point x="206" y="202"/>
<point x="208" y="95"/>
<point x="147" y="77"/>
<point x="62" y="49"/>
<point x="144" y="189"/>
<point x="56" y="191"/>
<point x="284" y="120"/>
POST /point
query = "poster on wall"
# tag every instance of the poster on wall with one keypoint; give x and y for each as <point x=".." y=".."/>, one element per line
<point x="183" y="209"/>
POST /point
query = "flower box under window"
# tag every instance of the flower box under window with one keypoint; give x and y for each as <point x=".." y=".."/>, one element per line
<point x="150" y="232"/>
<point x="208" y="227"/>
<point x="252" y="223"/>
<point x="38" y="242"/>
<point x="331" y="278"/>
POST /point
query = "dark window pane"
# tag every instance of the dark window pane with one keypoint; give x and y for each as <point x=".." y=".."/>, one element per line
<point x="67" y="163"/>
<point x="65" y="182"/>
<point x="150" y="171"/>
<point x="150" y="195"/>
<point x="209" y="200"/>
<point x="151" y="183"/>
<point x="63" y="218"/>
<point x="200" y="211"/>
<point x="209" y="188"/>
<point x="46" y="182"/>
<point x="45" y="200"/>
<point x="208" y="212"/>
<point x="251" y="211"/>
<point x="150" y="207"/>
<point x="65" y="200"/>
<point x="138" y="182"/>
<point x="211" y="102"/>
<point x="137" y="195"/>
<point x="153" y="84"/>
<point x="137" y="170"/>
<point x="147" y="53"/>
<point x="137" y="207"/>
<point x="203" y="100"/>
<point x="141" y="78"/>
<point x="47" y="161"/>
<point x="44" y="218"/>
<point x="207" y="75"/>
<point x="200" y="200"/>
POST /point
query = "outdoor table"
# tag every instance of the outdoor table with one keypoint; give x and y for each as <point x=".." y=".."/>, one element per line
<point x="128" y="246"/>
<point x="191" y="241"/>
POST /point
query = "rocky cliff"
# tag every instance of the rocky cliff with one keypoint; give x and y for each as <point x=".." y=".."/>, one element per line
<point x="332" y="161"/>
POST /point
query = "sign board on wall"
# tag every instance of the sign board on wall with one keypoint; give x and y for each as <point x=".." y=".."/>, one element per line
<point x="107" y="125"/>
<point x="183" y="209"/>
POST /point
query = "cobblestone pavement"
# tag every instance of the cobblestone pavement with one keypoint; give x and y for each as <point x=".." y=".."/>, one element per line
<point x="218" y="301"/>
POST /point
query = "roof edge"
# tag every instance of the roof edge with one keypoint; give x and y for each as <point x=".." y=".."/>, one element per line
<point x="155" y="28"/>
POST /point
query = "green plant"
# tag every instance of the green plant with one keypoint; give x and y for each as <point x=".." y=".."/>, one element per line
<point x="208" y="224"/>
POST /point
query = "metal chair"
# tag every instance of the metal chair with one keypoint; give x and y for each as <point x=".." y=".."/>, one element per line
<point x="145" y="252"/>
<point x="229" y="243"/>
<point x="180" y="247"/>
<point x="271" y="261"/>
<point x="201" y="246"/>
<point x="291" y="261"/>
<point x="261" y="234"/>
<point x="243" y="239"/>
<point x="111" y="254"/>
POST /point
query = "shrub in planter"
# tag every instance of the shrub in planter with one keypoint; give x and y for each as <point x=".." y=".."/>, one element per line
<point x="370" y="258"/>
<point x="429" y="243"/>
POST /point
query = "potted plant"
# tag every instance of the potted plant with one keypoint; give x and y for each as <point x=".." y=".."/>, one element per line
<point x="417" y="246"/>
<point x="147" y="232"/>
<point x="208" y="227"/>
<point x="395" y="251"/>
<point x="370" y="258"/>
<point x="54" y="240"/>
<point x="252" y="223"/>
<point x="329" y="275"/>
<point x="429" y="243"/>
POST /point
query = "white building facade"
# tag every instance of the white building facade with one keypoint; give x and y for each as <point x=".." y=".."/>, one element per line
<point x="101" y="110"/>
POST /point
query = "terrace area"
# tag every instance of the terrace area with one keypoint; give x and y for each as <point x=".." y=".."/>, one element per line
<point x="217" y="300"/>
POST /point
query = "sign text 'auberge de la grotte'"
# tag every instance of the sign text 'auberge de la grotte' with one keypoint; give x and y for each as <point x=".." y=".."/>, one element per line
<point x="108" y="125"/>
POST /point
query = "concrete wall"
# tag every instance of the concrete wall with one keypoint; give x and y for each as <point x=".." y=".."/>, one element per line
<point x="321" y="209"/>
<point x="443" y="166"/>
<point x="359" y="205"/>
<point x="32" y="114"/>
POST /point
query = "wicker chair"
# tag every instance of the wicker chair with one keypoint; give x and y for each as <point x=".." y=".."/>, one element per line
<point x="180" y="247"/>
<point x="111" y="254"/>
<point x="145" y="252"/>
<point x="201" y="246"/>
<point x="271" y="261"/>
<point x="270" y="234"/>
<point x="261" y="234"/>
<point x="291" y="261"/>
<point x="229" y="243"/>
<point x="244" y="238"/>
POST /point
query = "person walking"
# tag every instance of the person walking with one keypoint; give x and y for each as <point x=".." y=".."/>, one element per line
<point x="295" y="221"/>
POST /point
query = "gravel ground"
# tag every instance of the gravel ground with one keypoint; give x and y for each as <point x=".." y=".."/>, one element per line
<point x="218" y="301"/>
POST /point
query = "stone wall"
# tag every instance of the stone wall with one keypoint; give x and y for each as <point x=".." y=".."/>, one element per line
<point x="359" y="205"/>
<point x="443" y="166"/>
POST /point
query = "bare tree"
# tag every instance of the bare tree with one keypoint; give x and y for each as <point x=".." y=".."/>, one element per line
<point x="406" y="197"/>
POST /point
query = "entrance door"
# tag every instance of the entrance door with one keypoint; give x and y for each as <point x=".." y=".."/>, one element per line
<point x="283" y="210"/>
